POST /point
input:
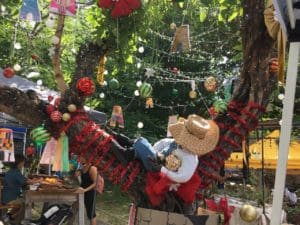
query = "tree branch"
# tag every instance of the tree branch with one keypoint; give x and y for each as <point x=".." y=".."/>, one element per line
<point x="61" y="84"/>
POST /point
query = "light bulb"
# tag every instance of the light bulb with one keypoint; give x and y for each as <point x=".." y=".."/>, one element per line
<point x="50" y="23"/>
<point x="17" y="67"/>
<point x="39" y="82"/>
<point x="281" y="97"/>
<point x="102" y="95"/>
<point x="17" y="46"/>
<point x="139" y="65"/>
<point x="141" y="49"/>
<point x="140" y="125"/>
<point x="105" y="83"/>
<point x="136" y="93"/>
<point x="139" y="83"/>
<point x="105" y="72"/>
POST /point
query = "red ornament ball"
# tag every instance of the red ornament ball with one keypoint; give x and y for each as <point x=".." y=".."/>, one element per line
<point x="34" y="57"/>
<point x="30" y="150"/>
<point x="50" y="109"/>
<point x="175" y="70"/>
<point x="8" y="72"/>
<point x="56" y="116"/>
<point x="86" y="86"/>
<point x="50" y="98"/>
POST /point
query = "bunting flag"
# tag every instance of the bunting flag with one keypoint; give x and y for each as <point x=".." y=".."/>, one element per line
<point x="49" y="152"/>
<point x="6" y="140"/>
<point x="181" y="41"/>
<point x="149" y="103"/>
<point x="63" y="7"/>
<point x="116" y="119"/>
<point x="30" y="11"/>
<point x="61" y="158"/>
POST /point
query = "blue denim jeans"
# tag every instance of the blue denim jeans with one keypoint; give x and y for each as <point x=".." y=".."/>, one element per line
<point x="143" y="151"/>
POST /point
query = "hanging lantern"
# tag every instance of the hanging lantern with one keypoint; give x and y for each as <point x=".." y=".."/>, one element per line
<point x="117" y="117"/>
<point x="30" y="11"/>
<point x="146" y="90"/>
<point x="67" y="8"/>
<point x="220" y="106"/>
<point x="8" y="72"/>
<point x="149" y="103"/>
<point x="181" y="41"/>
<point x="72" y="108"/>
<point x="56" y="116"/>
<point x="248" y="213"/>
<point x="210" y="84"/>
<point x="114" y="84"/>
<point x="40" y="135"/>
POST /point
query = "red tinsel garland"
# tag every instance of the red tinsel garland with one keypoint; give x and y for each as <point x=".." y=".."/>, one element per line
<point x="131" y="178"/>
<point x="95" y="137"/>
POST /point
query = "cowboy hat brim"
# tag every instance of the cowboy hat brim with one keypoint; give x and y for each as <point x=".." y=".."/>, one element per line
<point x="192" y="143"/>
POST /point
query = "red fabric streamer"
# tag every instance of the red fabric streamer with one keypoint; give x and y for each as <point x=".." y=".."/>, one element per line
<point x="222" y="207"/>
<point x="131" y="177"/>
<point x="86" y="86"/>
<point x="157" y="185"/>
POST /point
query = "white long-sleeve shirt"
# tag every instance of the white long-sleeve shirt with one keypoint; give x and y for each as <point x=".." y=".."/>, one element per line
<point x="189" y="162"/>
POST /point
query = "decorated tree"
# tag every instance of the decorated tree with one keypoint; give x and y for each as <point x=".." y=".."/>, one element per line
<point x="246" y="106"/>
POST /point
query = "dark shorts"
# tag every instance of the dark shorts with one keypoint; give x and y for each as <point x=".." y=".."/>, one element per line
<point x="89" y="198"/>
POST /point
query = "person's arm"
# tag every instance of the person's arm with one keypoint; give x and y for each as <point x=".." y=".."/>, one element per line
<point x="186" y="170"/>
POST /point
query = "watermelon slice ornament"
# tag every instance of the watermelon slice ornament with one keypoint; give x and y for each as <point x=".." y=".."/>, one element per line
<point x="146" y="90"/>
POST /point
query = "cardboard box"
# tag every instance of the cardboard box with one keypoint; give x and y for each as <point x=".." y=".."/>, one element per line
<point x="154" y="217"/>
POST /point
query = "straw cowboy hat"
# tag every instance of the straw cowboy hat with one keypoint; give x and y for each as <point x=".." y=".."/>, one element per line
<point x="196" y="135"/>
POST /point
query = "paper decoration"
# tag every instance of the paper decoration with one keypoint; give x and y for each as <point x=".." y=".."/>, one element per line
<point x="181" y="41"/>
<point x="149" y="103"/>
<point x="101" y="70"/>
<point x="117" y="117"/>
<point x="6" y="140"/>
<point x="63" y="7"/>
<point x="49" y="152"/>
<point x="30" y="11"/>
<point x="172" y="120"/>
<point x="61" y="158"/>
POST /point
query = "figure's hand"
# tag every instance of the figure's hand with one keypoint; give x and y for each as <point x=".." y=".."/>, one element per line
<point x="273" y="65"/>
<point x="155" y="167"/>
<point x="80" y="190"/>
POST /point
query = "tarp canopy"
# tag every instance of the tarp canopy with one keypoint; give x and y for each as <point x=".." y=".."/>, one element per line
<point x="43" y="93"/>
<point x="270" y="144"/>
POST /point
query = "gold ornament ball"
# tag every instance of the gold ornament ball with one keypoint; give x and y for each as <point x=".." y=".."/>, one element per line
<point x="66" y="117"/>
<point x="210" y="84"/>
<point x="193" y="94"/>
<point x="248" y="213"/>
<point x="72" y="108"/>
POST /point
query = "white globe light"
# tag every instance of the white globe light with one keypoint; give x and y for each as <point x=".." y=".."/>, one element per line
<point x="280" y="122"/>
<point x="140" y="125"/>
<point x="138" y="65"/>
<point x="281" y="97"/>
<point x="105" y="72"/>
<point x="54" y="40"/>
<point x="73" y="50"/>
<point x="141" y="49"/>
<point x="139" y="83"/>
<point x="105" y="83"/>
<point x="136" y="93"/>
<point x="50" y="23"/>
<point x="17" y="46"/>
<point x="173" y="26"/>
<point x="102" y="95"/>
<point x="17" y="67"/>
<point x="33" y="75"/>
<point x="39" y="82"/>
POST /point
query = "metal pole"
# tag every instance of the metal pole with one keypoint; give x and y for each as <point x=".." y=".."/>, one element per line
<point x="263" y="168"/>
<point x="285" y="134"/>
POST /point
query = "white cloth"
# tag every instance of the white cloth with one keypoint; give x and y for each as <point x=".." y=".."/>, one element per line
<point x="189" y="162"/>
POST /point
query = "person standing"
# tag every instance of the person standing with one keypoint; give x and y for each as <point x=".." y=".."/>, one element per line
<point x="88" y="175"/>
